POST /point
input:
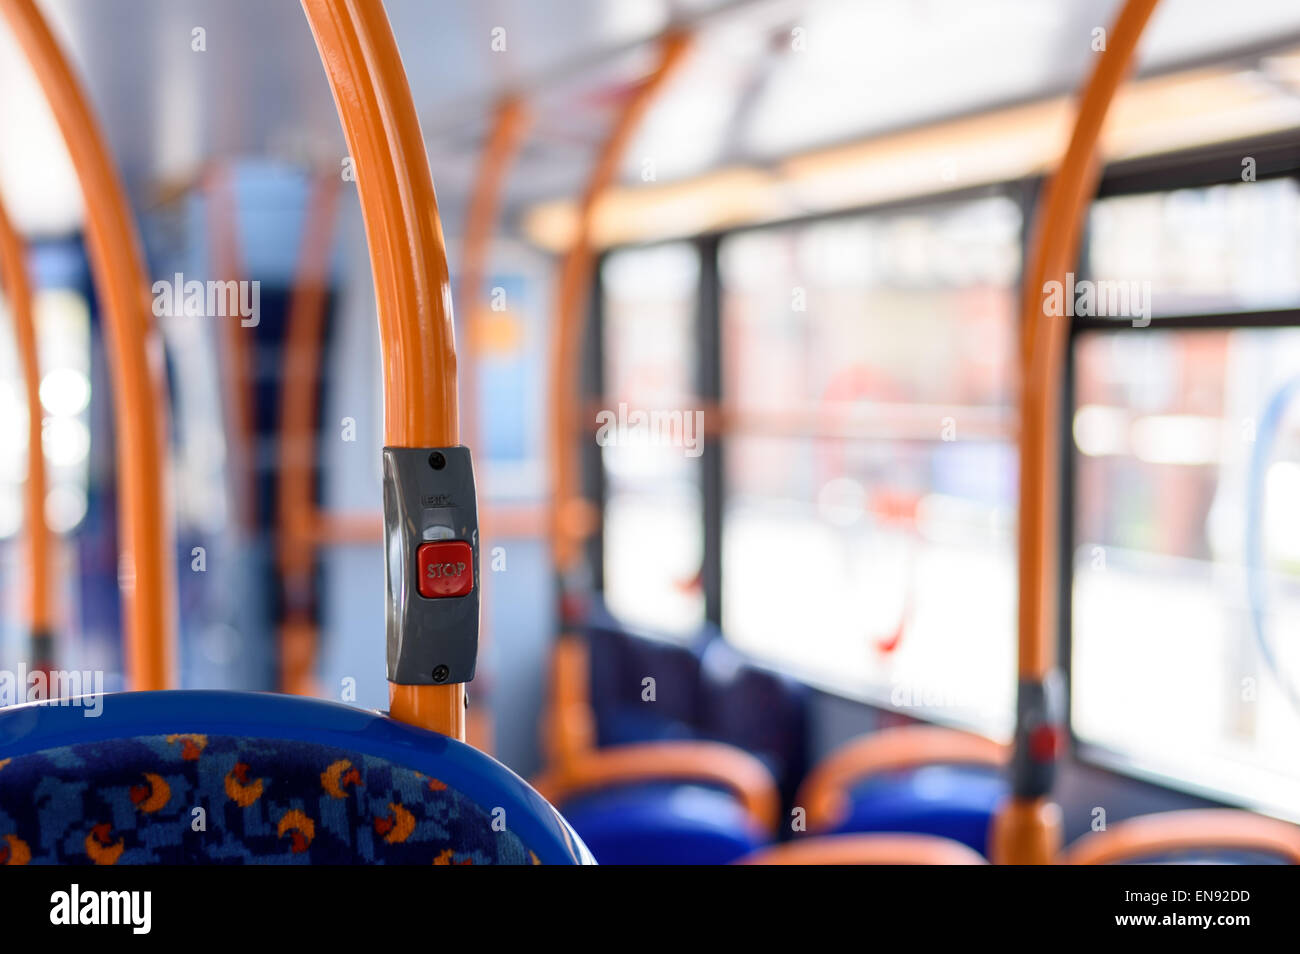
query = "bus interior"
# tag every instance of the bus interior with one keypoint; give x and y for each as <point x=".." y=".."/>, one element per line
<point x="798" y="431"/>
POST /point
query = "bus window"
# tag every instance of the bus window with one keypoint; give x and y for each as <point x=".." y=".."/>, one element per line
<point x="652" y="538"/>
<point x="870" y="462"/>
<point x="1183" y="665"/>
<point x="63" y="327"/>
<point x="1219" y="249"/>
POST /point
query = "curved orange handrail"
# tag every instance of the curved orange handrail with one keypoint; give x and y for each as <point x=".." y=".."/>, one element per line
<point x="824" y="793"/>
<point x="568" y="725"/>
<point x="571" y="517"/>
<point x="39" y="539"/>
<point x="705" y="762"/>
<point x="885" y="849"/>
<point x="1170" y="832"/>
<point x="1028" y="830"/>
<point x="502" y="146"/>
<point x="236" y="357"/>
<point x="1056" y="241"/>
<point x="296" y="489"/>
<point x="135" y="359"/>
<point x="408" y="257"/>
<point x="485" y="201"/>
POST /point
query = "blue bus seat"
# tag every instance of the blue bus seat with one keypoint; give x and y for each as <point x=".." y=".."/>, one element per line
<point x="664" y="823"/>
<point x="207" y="777"/>
<point x="951" y="801"/>
<point x="916" y="779"/>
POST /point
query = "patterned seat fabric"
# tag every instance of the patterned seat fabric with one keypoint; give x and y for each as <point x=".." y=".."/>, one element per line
<point x="211" y="799"/>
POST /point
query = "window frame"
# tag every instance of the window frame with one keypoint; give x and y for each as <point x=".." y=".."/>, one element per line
<point x="1277" y="157"/>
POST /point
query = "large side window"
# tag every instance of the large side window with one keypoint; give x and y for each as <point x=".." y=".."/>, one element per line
<point x="868" y="529"/>
<point x="1186" y="438"/>
<point x="63" y="341"/>
<point x="650" y="438"/>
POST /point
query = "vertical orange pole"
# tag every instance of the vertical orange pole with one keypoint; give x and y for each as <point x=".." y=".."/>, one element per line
<point x="1028" y="828"/>
<point x="571" y="516"/>
<point x="485" y="200"/>
<point x="236" y="346"/>
<point x="40" y="622"/>
<point x="296" y="490"/>
<point x="567" y="726"/>
<point x="147" y="573"/>
<point x="409" y="260"/>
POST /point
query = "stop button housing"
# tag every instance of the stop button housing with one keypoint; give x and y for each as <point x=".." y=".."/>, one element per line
<point x="432" y="546"/>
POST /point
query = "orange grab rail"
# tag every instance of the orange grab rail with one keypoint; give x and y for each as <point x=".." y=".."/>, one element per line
<point x="135" y="359"/>
<point x="824" y="793"/>
<point x="408" y="257"/>
<point x="866" y="850"/>
<point x="484" y="204"/>
<point x="708" y="762"/>
<point x="303" y="529"/>
<point x="571" y="517"/>
<point x="236" y="359"/>
<point x="1028" y="829"/>
<point x="572" y="520"/>
<point x="40" y="617"/>
<point x="485" y="201"/>
<point x="1171" y="832"/>
<point x="296" y="490"/>
<point x="568" y="724"/>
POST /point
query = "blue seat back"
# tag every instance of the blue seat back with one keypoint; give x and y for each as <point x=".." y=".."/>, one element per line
<point x="620" y="662"/>
<point x="227" y="777"/>
<point x="704" y="689"/>
<point x="755" y="709"/>
<point x="663" y="823"/>
<point x="951" y="801"/>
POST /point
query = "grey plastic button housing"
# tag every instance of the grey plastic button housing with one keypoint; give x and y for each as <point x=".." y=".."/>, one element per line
<point x="422" y="504"/>
<point x="1037" y="704"/>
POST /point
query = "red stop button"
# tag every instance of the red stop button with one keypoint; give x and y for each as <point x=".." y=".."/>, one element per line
<point x="1046" y="743"/>
<point x="446" y="568"/>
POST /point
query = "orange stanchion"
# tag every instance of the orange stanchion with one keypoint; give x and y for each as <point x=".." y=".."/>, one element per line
<point x="38" y="540"/>
<point x="568" y="723"/>
<point x="409" y="260"/>
<point x="571" y="519"/>
<point x="1028" y="829"/>
<point x="147" y="571"/>
<point x="485" y="201"/>
<point x="236" y="359"/>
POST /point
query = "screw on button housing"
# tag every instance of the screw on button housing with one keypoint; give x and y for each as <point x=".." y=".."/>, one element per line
<point x="440" y="673"/>
<point x="437" y="461"/>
